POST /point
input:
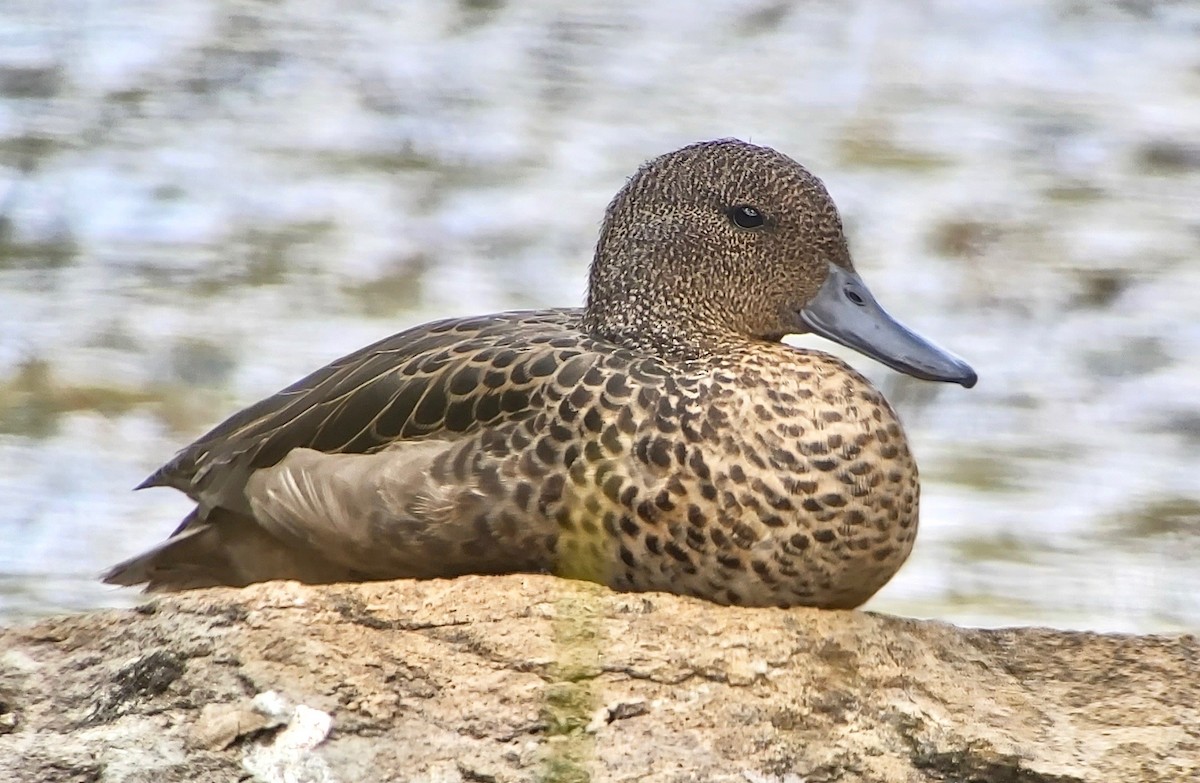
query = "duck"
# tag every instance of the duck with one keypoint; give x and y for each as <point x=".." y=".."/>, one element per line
<point x="660" y="438"/>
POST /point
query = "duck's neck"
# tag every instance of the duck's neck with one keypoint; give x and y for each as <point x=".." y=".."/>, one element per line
<point x="671" y="333"/>
<point x="645" y="293"/>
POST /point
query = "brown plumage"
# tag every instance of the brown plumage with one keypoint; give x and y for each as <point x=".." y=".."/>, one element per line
<point x="659" y="439"/>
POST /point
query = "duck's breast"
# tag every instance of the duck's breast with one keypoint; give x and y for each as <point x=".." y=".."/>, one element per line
<point x="773" y="477"/>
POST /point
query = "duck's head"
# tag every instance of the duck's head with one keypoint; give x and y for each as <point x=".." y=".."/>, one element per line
<point x="725" y="241"/>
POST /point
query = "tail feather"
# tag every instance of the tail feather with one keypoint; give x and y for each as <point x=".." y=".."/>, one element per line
<point x="224" y="549"/>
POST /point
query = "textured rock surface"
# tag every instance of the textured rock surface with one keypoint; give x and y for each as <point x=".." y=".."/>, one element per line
<point x="533" y="678"/>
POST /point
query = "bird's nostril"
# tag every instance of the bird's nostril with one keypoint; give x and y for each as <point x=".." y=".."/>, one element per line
<point x="855" y="296"/>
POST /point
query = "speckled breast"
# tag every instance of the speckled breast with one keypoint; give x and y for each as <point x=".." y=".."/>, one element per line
<point x="770" y="477"/>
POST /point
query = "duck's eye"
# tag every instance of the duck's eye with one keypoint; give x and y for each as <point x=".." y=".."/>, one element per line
<point x="746" y="216"/>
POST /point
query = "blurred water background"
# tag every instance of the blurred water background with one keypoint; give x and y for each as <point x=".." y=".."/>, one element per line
<point x="202" y="200"/>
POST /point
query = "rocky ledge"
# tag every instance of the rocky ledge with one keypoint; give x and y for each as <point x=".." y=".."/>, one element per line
<point x="532" y="678"/>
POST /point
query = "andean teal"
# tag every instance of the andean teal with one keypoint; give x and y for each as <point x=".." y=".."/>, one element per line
<point x="660" y="438"/>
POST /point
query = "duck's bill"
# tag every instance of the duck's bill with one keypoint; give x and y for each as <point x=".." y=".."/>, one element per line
<point x="845" y="311"/>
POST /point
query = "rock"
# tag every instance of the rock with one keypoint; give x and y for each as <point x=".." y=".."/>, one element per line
<point x="527" y="678"/>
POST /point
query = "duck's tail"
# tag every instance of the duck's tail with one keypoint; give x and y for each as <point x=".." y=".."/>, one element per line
<point x="223" y="549"/>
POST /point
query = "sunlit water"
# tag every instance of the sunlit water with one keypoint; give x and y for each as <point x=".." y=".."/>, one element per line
<point x="201" y="201"/>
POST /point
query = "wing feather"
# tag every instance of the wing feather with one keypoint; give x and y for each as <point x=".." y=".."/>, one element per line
<point x="336" y="408"/>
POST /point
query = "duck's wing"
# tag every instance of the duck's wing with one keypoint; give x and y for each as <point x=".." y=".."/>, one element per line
<point x="439" y="380"/>
<point x="417" y="509"/>
<point x="408" y="398"/>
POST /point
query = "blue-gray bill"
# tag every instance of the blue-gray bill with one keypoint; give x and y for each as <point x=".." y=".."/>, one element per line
<point x="845" y="311"/>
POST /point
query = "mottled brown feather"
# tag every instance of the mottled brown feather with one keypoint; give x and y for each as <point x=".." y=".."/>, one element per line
<point x="659" y="439"/>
